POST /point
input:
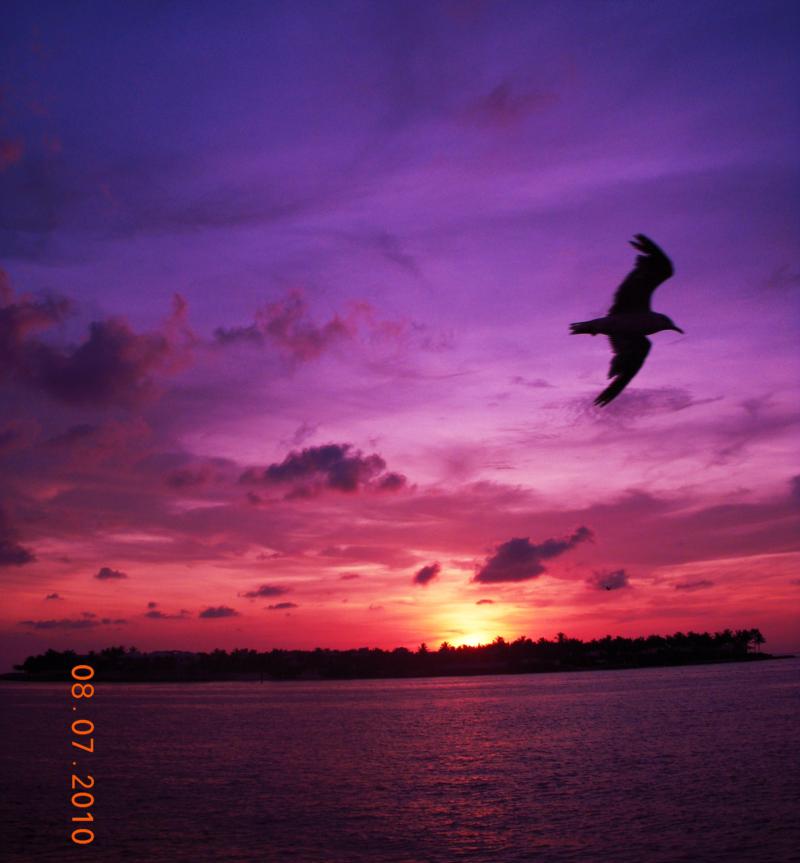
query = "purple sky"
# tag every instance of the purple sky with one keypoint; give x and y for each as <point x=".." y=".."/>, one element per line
<point x="286" y="306"/>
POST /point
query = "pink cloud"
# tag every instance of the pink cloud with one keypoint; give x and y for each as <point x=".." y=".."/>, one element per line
<point x="287" y="325"/>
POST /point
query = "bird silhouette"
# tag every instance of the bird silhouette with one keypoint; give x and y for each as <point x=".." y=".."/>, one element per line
<point x="630" y="319"/>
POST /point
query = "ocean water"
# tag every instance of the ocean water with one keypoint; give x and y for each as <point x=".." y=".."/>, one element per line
<point x="694" y="764"/>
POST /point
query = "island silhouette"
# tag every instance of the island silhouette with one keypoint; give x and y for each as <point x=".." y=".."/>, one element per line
<point x="522" y="656"/>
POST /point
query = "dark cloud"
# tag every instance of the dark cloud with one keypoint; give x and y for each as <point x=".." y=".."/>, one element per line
<point x="152" y="604"/>
<point x="281" y="606"/>
<point x="427" y="574"/>
<point x="218" y="611"/>
<point x="287" y="325"/>
<point x="521" y="560"/>
<point x="67" y="623"/>
<point x="265" y="590"/>
<point x="485" y="602"/>
<point x="391" y="482"/>
<point x="615" y="580"/>
<point x="20" y="317"/>
<point x="53" y="596"/>
<point x="347" y="576"/>
<point x="13" y="554"/>
<point x="64" y="623"/>
<point x="331" y="466"/>
<point x="700" y="584"/>
<point x="113" y="365"/>
<point x="155" y="614"/>
<point x="795" y="488"/>
<point x="106" y="573"/>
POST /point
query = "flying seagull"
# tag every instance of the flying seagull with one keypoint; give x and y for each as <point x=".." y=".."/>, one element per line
<point x="630" y="320"/>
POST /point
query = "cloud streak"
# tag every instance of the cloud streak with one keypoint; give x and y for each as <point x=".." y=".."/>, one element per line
<point x="85" y="622"/>
<point x="106" y="573"/>
<point x="265" y="590"/>
<point x="699" y="584"/>
<point x="156" y="614"/>
<point x="217" y="611"/>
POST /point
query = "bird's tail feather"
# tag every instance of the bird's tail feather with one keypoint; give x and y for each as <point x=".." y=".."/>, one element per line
<point x="583" y="327"/>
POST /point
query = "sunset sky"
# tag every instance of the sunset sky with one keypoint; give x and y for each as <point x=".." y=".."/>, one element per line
<point x="284" y="322"/>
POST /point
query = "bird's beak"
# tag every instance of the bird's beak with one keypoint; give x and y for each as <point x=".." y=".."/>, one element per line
<point x="678" y="329"/>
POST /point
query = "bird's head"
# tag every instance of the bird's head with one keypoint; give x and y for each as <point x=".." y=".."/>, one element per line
<point x="669" y="324"/>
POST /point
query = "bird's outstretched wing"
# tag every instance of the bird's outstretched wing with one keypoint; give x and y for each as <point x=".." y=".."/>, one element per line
<point x="652" y="268"/>
<point x="629" y="355"/>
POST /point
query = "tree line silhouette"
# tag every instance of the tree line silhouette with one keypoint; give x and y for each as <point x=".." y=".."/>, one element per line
<point x="500" y="657"/>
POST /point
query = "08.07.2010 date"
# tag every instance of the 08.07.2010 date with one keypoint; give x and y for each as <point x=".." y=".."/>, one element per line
<point x="82" y="728"/>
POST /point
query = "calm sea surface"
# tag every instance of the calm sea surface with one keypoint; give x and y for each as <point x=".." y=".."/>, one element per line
<point x="682" y="764"/>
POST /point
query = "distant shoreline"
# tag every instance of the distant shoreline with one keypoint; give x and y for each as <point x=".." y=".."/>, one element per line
<point x="454" y="671"/>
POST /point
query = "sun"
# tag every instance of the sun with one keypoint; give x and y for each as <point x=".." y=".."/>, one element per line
<point x="472" y="639"/>
<point x="469" y="626"/>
